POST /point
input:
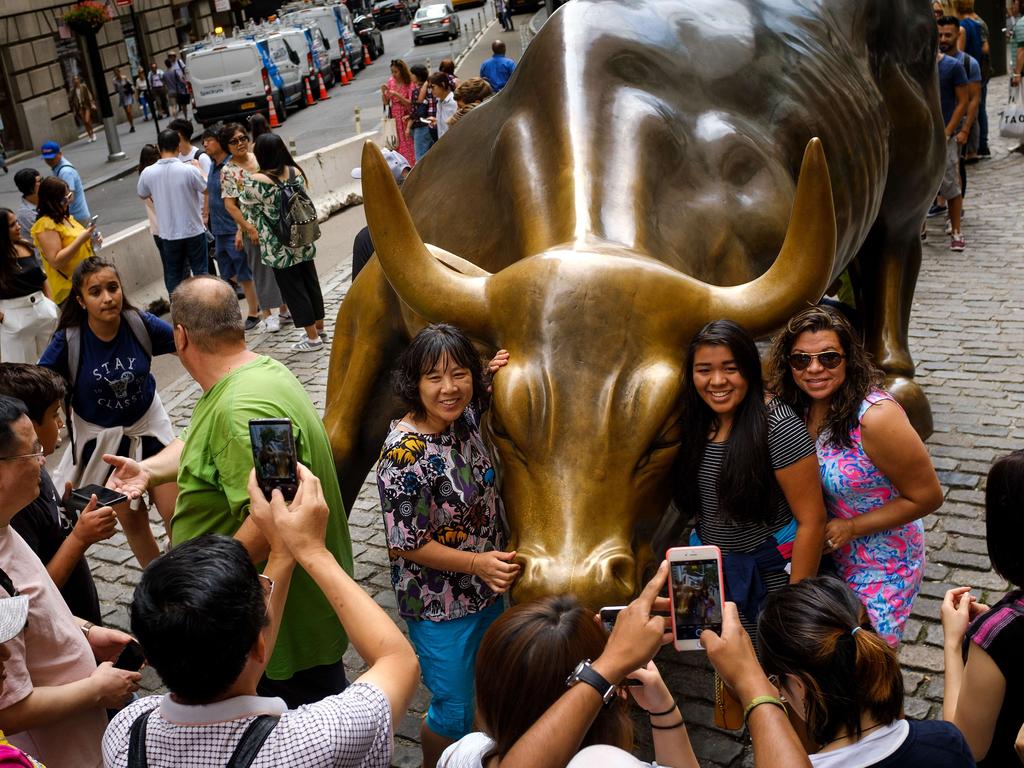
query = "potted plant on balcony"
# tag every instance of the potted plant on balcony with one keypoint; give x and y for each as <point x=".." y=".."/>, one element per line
<point x="86" y="17"/>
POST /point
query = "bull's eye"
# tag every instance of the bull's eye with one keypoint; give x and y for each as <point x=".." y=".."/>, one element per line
<point x="739" y="165"/>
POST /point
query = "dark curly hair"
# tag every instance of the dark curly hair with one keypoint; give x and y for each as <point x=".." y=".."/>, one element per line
<point x="862" y="376"/>
<point x="425" y="350"/>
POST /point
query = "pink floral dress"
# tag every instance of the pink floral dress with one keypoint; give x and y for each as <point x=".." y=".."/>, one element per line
<point x="399" y="112"/>
<point x="884" y="569"/>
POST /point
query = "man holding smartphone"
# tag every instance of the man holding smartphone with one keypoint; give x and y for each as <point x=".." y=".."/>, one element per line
<point x="212" y="461"/>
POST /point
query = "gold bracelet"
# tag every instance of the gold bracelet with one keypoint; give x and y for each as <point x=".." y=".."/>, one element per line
<point x="472" y="564"/>
<point x="758" y="701"/>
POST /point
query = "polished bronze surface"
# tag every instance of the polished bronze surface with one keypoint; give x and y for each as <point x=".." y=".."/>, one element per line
<point x="650" y="166"/>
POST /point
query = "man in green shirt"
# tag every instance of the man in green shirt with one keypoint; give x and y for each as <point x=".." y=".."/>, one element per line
<point x="212" y="461"/>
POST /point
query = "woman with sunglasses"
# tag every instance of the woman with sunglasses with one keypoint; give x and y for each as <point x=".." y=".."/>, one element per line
<point x="63" y="242"/>
<point x="877" y="476"/>
<point x="234" y="176"/>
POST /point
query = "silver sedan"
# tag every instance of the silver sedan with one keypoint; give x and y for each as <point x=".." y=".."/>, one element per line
<point x="438" y="20"/>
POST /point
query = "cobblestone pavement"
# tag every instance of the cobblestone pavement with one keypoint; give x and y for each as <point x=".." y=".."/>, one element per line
<point x="967" y="331"/>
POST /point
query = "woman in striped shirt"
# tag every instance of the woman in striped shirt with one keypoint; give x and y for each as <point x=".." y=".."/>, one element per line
<point x="747" y="470"/>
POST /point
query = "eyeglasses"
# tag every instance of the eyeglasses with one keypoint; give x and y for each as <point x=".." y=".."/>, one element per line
<point x="800" y="360"/>
<point x="268" y="586"/>
<point x="37" y="455"/>
<point x="238" y="140"/>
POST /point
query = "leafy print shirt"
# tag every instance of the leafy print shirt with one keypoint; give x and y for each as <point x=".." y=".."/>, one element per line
<point x="439" y="488"/>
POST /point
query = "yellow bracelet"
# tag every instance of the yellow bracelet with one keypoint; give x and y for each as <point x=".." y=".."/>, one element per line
<point x="758" y="701"/>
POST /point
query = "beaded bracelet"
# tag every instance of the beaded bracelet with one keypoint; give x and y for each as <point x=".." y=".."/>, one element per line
<point x="758" y="701"/>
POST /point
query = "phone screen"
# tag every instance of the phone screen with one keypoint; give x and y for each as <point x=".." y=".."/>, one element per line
<point x="609" y="614"/>
<point x="696" y="597"/>
<point x="132" y="658"/>
<point x="273" y="454"/>
<point x="105" y="497"/>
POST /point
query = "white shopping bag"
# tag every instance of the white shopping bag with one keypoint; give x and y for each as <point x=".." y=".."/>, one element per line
<point x="1011" y="117"/>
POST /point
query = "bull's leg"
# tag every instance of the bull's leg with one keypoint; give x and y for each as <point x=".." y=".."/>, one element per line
<point x="890" y="262"/>
<point x="368" y="337"/>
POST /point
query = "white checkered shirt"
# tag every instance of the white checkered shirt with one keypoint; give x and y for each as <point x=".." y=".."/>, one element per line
<point x="349" y="730"/>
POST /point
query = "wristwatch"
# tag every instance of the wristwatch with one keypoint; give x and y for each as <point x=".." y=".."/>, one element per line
<point x="584" y="673"/>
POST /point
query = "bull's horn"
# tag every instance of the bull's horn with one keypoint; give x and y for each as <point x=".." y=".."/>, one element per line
<point x="433" y="291"/>
<point x="803" y="269"/>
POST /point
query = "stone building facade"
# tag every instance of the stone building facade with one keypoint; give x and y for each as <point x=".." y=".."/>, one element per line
<point x="39" y="55"/>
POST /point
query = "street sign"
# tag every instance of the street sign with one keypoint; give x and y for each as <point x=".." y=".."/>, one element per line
<point x="222" y="5"/>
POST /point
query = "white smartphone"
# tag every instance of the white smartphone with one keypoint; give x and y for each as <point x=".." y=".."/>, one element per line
<point x="695" y="591"/>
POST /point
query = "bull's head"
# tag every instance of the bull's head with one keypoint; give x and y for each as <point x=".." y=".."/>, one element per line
<point x="585" y="419"/>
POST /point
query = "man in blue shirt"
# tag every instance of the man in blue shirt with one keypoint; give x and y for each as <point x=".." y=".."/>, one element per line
<point x="66" y="172"/>
<point x="954" y="99"/>
<point x="498" y="69"/>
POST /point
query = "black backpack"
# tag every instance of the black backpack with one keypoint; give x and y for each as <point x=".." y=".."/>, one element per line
<point x="297" y="225"/>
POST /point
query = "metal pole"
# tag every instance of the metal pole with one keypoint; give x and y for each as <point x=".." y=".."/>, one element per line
<point x="99" y="88"/>
<point x="359" y="123"/>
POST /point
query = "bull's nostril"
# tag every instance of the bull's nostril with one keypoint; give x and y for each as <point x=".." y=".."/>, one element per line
<point x="621" y="569"/>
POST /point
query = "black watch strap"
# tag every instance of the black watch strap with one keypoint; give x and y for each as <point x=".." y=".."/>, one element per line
<point x="584" y="673"/>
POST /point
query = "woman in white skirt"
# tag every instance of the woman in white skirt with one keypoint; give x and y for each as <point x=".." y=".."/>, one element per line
<point x="27" y="315"/>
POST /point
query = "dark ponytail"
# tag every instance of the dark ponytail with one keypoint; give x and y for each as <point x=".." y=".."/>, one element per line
<point x="818" y="631"/>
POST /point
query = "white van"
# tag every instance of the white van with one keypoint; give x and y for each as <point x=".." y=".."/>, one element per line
<point x="337" y="29"/>
<point x="289" y="64"/>
<point x="301" y="41"/>
<point x="230" y="78"/>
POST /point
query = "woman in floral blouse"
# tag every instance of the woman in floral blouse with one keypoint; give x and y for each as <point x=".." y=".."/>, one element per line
<point x="445" y="524"/>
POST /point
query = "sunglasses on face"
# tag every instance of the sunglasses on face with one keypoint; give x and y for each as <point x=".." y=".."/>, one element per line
<point x="238" y="140"/>
<point x="831" y="360"/>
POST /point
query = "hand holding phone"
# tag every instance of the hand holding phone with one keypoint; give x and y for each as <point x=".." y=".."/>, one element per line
<point x="105" y="497"/>
<point x="93" y="220"/>
<point x="695" y="591"/>
<point x="132" y="658"/>
<point x="274" y="457"/>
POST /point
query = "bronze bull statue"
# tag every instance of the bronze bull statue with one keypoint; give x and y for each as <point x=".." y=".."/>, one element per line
<point x="652" y="165"/>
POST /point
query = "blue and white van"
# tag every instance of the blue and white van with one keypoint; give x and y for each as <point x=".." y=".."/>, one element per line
<point x="230" y="78"/>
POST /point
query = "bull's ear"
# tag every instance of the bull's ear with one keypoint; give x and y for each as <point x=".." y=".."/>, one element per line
<point x="420" y="274"/>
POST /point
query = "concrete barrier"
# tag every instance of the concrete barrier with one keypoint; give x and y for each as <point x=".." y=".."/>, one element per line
<point x="329" y="172"/>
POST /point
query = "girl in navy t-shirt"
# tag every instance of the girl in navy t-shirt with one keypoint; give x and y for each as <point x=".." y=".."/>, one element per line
<point x="114" y="405"/>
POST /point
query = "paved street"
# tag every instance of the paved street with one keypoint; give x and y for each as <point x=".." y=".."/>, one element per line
<point x="114" y="197"/>
<point x="968" y="325"/>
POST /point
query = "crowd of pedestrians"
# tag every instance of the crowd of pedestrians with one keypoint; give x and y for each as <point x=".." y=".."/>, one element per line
<point x="425" y="105"/>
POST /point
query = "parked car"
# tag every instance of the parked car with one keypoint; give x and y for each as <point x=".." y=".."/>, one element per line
<point x="391" y="13"/>
<point x="438" y="20"/>
<point x="370" y="35"/>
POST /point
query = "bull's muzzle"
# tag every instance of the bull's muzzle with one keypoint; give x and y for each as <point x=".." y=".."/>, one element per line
<point x="606" y="576"/>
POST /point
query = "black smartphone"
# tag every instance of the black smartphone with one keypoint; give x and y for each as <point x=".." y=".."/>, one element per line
<point x="132" y="658"/>
<point x="104" y="497"/>
<point x="273" y="455"/>
<point x="609" y="614"/>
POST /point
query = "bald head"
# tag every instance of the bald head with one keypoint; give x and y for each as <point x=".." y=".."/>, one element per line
<point x="207" y="308"/>
<point x="498" y="48"/>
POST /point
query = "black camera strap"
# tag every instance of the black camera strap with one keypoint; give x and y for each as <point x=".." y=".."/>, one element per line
<point x="245" y="753"/>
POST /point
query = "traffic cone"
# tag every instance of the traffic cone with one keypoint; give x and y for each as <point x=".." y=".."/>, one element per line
<point x="323" y="88"/>
<point x="274" y="122"/>
<point x="342" y="72"/>
<point x="366" y="56"/>
<point x="309" y="92"/>
<point x="348" y="70"/>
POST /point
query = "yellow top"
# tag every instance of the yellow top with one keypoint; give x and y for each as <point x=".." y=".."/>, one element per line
<point x="69" y="229"/>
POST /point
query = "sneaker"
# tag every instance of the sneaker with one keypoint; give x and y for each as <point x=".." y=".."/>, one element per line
<point x="273" y="323"/>
<point x="308" y="345"/>
<point x="252" y="321"/>
<point x="957" y="242"/>
<point x="936" y="210"/>
<point x="285" y="315"/>
<point x="325" y="336"/>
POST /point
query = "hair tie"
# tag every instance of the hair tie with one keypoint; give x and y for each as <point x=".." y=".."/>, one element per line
<point x="855" y="630"/>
